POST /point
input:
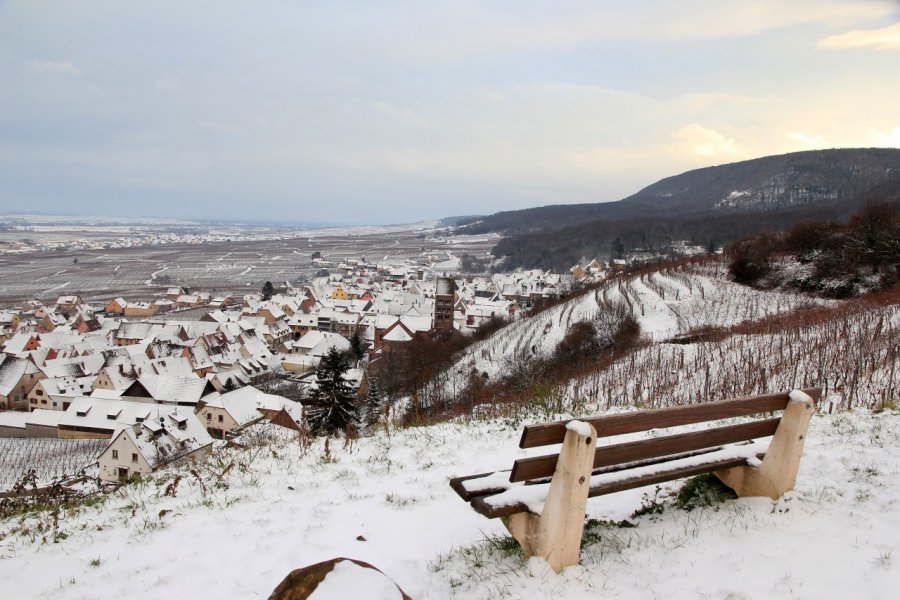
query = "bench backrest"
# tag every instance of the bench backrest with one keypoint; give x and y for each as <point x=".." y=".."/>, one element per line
<point x="684" y="444"/>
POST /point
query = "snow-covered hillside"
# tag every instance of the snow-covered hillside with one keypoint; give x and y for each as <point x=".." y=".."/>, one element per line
<point x="235" y="532"/>
<point x="665" y="303"/>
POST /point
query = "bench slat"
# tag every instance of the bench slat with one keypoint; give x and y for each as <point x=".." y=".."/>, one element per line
<point x="482" y="506"/>
<point x="543" y="466"/>
<point x="457" y="484"/>
<point x="545" y="434"/>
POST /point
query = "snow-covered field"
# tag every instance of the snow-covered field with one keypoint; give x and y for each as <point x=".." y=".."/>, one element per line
<point x="387" y="501"/>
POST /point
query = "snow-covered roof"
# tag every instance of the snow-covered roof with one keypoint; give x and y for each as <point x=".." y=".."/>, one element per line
<point x="16" y="344"/>
<point x="318" y="343"/>
<point x="245" y="403"/>
<point x="12" y="370"/>
<point x="397" y="334"/>
<point x="167" y="436"/>
<point x="103" y="414"/>
<point x="44" y="418"/>
<point x="67" y="386"/>
<point x="13" y="419"/>
<point x="187" y="389"/>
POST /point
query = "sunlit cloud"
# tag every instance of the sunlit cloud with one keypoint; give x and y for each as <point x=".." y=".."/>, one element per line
<point x="808" y="141"/>
<point x="704" y="141"/>
<point x="890" y="138"/>
<point x="886" y="38"/>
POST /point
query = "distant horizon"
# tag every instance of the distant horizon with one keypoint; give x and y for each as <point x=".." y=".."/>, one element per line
<point x="139" y="217"/>
<point x="327" y="225"/>
<point x="383" y="112"/>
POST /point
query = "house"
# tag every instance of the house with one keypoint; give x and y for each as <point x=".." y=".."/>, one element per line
<point x="232" y="411"/>
<point x="169" y="389"/>
<point x="52" y="319"/>
<point x="271" y="313"/>
<point x="68" y="304"/>
<point x="339" y="293"/>
<point x="233" y="378"/>
<point x="132" y="333"/>
<point x="83" y="325"/>
<point x="72" y="365"/>
<point x="163" y="306"/>
<point x="115" y="377"/>
<point x="254" y="369"/>
<point x="309" y="350"/>
<point x="302" y="323"/>
<point x="116" y="306"/>
<point x="190" y="300"/>
<point x="17" y="377"/>
<point x="21" y="343"/>
<point x="174" y="292"/>
<point x="318" y="343"/>
<point x="140" y="309"/>
<point x="98" y="418"/>
<point x="215" y="316"/>
<point x="57" y="393"/>
<point x="392" y="331"/>
<point x="36" y="424"/>
<point x="274" y="335"/>
<point x="345" y="323"/>
<point x="160" y="439"/>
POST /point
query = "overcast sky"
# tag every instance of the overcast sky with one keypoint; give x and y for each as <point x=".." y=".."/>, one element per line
<point x="385" y="112"/>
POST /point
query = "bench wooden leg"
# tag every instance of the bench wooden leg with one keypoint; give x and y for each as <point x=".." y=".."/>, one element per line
<point x="778" y="471"/>
<point x="555" y="534"/>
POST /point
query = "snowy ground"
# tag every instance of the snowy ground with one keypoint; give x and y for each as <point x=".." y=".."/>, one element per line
<point x="281" y="507"/>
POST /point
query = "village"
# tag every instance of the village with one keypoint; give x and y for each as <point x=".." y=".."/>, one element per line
<point x="162" y="378"/>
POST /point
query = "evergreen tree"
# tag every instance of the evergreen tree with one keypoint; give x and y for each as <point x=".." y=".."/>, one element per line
<point x="229" y="385"/>
<point x="332" y="404"/>
<point x="373" y="403"/>
<point x="268" y="290"/>
<point x="356" y="346"/>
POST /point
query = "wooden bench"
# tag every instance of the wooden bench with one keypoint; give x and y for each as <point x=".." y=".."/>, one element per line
<point x="542" y="500"/>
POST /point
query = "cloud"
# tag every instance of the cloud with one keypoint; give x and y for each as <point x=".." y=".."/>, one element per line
<point x="886" y="38"/>
<point x="405" y="116"/>
<point x="704" y="141"/>
<point x="809" y="141"/>
<point x="890" y="139"/>
<point x="55" y="67"/>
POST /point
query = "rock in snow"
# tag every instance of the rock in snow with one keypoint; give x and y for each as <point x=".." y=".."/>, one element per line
<point x="338" y="578"/>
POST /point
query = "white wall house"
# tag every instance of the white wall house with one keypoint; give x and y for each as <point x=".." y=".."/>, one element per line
<point x="163" y="438"/>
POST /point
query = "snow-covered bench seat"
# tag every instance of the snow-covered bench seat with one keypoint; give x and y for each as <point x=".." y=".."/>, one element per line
<point x="542" y="499"/>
